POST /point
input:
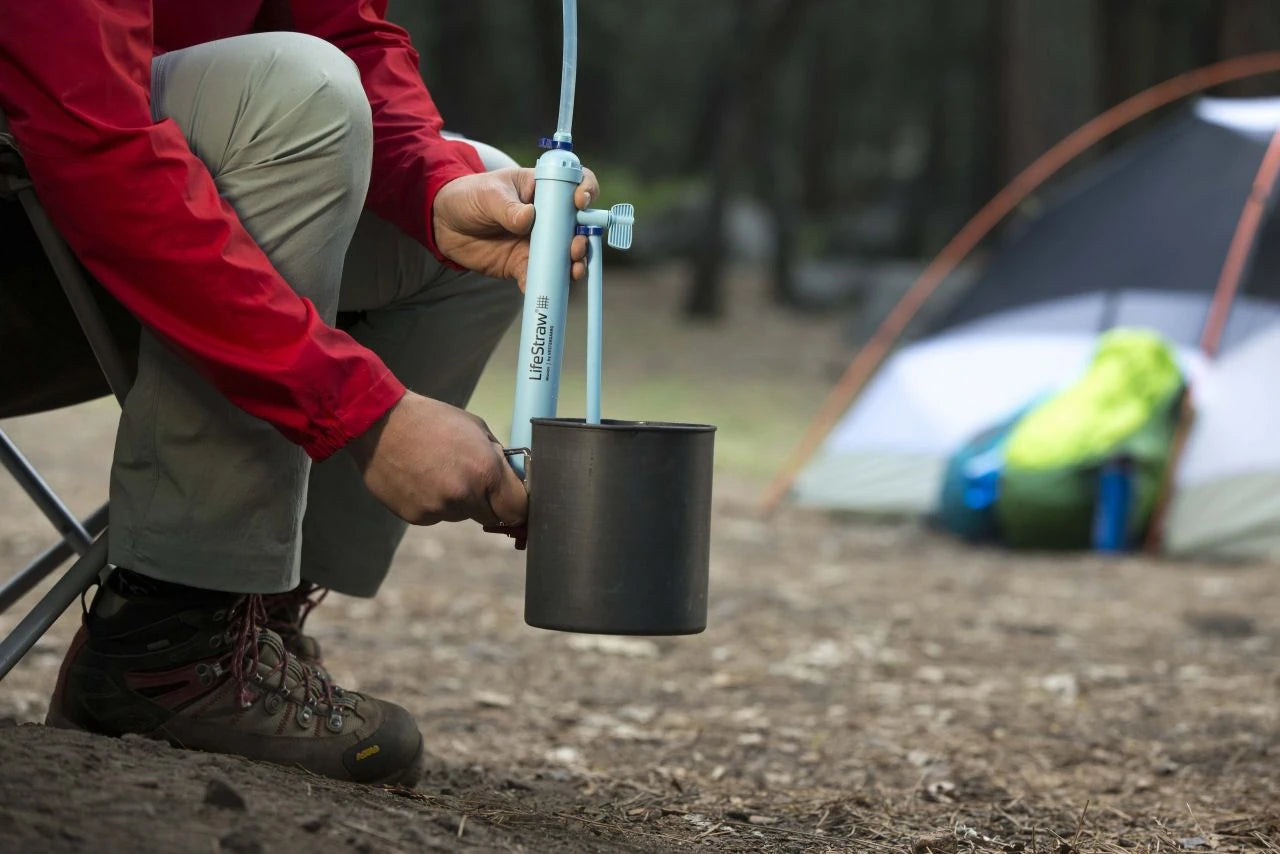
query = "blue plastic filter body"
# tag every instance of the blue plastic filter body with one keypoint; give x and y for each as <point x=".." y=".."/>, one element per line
<point x="546" y="295"/>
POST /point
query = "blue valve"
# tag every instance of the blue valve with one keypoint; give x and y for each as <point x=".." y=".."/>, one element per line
<point x="622" y="218"/>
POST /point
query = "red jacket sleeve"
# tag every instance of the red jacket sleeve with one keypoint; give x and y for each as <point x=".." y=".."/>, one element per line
<point x="142" y="213"/>
<point x="411" y="162"/>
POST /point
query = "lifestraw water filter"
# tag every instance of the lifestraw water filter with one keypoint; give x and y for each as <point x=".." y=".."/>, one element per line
<point x="546" y="304"/>
<point x="618" y="532"/>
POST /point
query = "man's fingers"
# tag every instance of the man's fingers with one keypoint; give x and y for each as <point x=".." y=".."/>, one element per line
<point x="518" y="264"/>
<point x="578" y="255"/>
<point x="482" y="424"/>
<point x="589" y="189"/>
<point x="509" y="499"/>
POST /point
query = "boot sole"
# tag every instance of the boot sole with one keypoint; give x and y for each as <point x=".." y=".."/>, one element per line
<point x="407" y="776"/>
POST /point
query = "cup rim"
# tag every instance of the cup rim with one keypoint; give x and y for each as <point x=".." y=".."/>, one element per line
<point x="613" y="424"/>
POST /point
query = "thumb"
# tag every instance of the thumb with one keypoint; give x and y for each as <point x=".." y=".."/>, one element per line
<point x="519" y="212"/>
<point x="518" y="217"/>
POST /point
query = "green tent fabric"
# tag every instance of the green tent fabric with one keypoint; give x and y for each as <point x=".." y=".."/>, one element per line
<point x="1124" y="406"/>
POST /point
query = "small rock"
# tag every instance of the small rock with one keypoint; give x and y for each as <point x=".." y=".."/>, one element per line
<point x="241" y="841"/>
<point x="314" y="825"/>
<point x="940" y="792"/>
<point x="1064" y="686"/>
<point x="219" y="793"/>
<point x="611" y="645"/>
<point x="919" y="758"/>
<point x="761" y="819"/>
<point x="493" y="699"/>
<point x="1222" y="624"/>
<point x="931" y="675"/>
<point x="565" y="754"/>
<point x="943" y="843"/>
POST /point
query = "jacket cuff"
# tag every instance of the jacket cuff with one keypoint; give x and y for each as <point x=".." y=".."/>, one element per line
<point x="354" y="416"/>
<point x="468" y="163"/>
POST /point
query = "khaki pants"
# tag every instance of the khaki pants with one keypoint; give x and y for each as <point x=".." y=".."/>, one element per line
<point x="201" y="492"/>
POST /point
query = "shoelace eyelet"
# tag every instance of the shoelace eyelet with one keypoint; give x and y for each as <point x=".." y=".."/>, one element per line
<point x="335" y="722"/>
<point x="273" y="703"/>
<point x="304" y="716"/>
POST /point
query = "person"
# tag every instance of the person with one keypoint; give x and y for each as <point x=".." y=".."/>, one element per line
<point x="240" y="174"/>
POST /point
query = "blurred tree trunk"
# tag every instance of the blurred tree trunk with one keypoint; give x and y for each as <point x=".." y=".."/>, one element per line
<point x="725" y="102"/>
<point x="1248" y="26"/>
<point x="822" y="89"/>
<point x="778" y="174"/>
<point x="1050" y="79"/>
<point x="760" y="39"/>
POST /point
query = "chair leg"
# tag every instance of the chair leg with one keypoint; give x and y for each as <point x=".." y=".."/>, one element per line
<point x="76" y="286"/>
<point x="68" y="588"/>
<point x="49" y="503"/>
<point x="53" y="557"/>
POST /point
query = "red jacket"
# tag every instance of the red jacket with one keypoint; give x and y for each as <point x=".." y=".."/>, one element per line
<point x="142" y="213"/>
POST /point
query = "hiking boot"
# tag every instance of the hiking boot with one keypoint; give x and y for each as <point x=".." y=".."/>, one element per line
<point x="201" y="671"/>
<point x="286" y="615"/>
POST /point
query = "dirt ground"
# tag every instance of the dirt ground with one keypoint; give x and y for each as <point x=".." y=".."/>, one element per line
<point x="861" y="687"/>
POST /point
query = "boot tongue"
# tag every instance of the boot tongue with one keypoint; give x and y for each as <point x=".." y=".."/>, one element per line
<point x="272" y="657"/>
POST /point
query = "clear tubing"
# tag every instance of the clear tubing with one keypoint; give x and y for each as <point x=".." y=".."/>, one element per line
<point x="568" y="72"/>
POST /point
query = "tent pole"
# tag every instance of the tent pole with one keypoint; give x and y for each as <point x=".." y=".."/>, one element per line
<point x="1239" y="253"/>
<point x="869" y="358"/>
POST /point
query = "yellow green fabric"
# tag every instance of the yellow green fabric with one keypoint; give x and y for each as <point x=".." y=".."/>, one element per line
<point x="1131" y="378"/>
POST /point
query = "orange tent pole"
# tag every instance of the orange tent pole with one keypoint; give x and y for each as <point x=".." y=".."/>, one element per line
<point x="1233" y="268"/>
<point x="1224" y="295"/>
<point x="869" y="358"/>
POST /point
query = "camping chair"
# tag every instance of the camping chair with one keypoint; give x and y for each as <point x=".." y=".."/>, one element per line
<point x="88" y="538"/>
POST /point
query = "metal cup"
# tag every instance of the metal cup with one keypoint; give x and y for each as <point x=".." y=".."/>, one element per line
<point x="619" y="526"/>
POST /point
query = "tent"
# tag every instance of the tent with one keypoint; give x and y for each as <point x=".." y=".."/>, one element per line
<point x="1138" y="239"/>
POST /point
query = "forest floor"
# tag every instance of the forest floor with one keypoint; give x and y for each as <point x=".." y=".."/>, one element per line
<point x="860" y="687"/>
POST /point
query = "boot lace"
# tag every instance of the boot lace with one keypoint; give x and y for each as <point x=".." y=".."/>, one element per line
<point x="248" y="629"/>
<point x="287" y="612"/>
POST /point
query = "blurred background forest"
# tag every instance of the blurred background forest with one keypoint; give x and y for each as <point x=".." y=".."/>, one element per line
<point x="813" y="137"/>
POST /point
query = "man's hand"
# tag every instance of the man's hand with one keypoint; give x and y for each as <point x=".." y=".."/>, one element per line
<point x="483" y="222"/>
<point x="431" y="462"/>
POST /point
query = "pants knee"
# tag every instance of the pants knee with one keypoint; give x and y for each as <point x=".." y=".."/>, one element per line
<point x="311" y="78"/>
<point x="280" y="97"/>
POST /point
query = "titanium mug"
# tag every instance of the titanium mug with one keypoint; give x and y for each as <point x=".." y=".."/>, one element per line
<point x="619" y="526"/>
